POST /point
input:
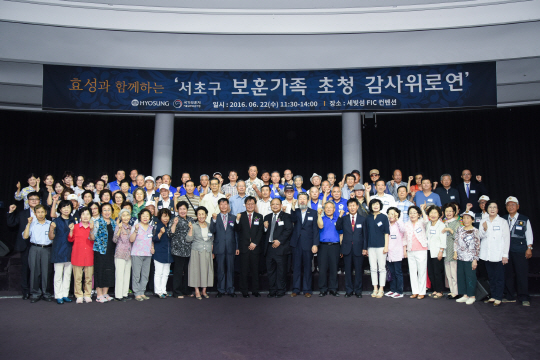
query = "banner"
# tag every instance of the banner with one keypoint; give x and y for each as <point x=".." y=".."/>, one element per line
<point x="384" y="89"/>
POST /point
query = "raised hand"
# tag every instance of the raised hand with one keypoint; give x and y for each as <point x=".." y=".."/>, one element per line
<point x="55" y="197"/>
<point x="175" y="221"/>
<point x="469" y="206"/>
<point x="18" y="186"/>
<point x="53" y="225"/>
<point x="368" y="187"/>
<point x="91" y="224"/>
<point x="392" y="182"/>
<point x="190" y="225"/>
<point x="411" y="178"/>
<point x="214" y="216"/>
<point x="284" y="208"/>
<point x="254" y="186"/>
<point x="136" y="227"/>
<point x="266" y="224"/>
<point x="484" y="225"/>
<point x="71" y="226"/>
<point x="228" y="196"/>
<point x="12" y="208"/>
<point x="238" y="216"/>
<point x="423" y="206"/>
<point x="30" y="219"/>
<point x="319" y="211"/>
<point x="177" y="194"/>
<point x="162" y="231"/>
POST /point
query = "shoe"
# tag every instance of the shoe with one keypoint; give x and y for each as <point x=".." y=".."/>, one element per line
<point x="280" y="295"/>
<point x="101" y="299"/>
<point x="497" y="303"/>
<point x="233" y="295"/>
<point x="508" y="301"/>
<point x="308" y="295"/>
<point x="450" y="297"/>
<point x="348" y="295"/>
<point x="26" y="296"/>
<point x="205" y="296"/>
<point x="334" y="293"/>
<point x="66" y="299"/>
<point x="79" y="301"/>
<point x="380" y="294"/>
<point x="413" y="296"/>
<point x="127" y="298"/>
<point x="420" y="297"/>
<point x="458" y="296"/>
<point x="359" y="295"/>
<point x="59" y="301"/>
<point x="294" y="294"/>
<point x="492" y="300"/>
<point x="138" y="298"/>
<point x="271" y="295"/>
<point x="47" y="299"/>
<point x="143" y="296"/>
<point x="462" y="299"/>
<point x="470" y="301"/>
<point x="87" y="299"/>
<point x="245" y="295"/>
<point x="389" y="294"/>
<point x="119" y="299"/>
<point x="323" y="294"/>
<point x="256" y="294"/>
<point x="374" y="293"/>
<point x="526" y="303"/>
<point x="397" y="296"/>
<point x="198" y="297"/>
<point x="218" y="295"/>
<point x="35" y="299"/>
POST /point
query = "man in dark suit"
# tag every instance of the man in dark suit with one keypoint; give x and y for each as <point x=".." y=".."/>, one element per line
<point x="250" y="229"/>
<point x="278" y="227"/>
<point x="470" y="192"/>
<point x="353" y="246"/>
<point x="225" y="247"/>
<point x="21" y="220"/>
<point x="304" y="243"/>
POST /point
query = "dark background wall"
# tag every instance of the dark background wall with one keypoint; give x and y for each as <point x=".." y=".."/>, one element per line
<point x="500" y="144"/>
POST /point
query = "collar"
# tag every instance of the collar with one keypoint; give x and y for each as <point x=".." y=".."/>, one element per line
<point x="513" y="218"/>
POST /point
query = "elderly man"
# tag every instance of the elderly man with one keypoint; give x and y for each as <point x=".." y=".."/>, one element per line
<point x="446" y="192"/>
<point x="254" y="184"/>
<point x="287" y="178"/>
<point x="114" y="186"/>
<point x="133" y="176"/>
<point x="167" y="180"/>
<point x="482" y="215"/>
<point x="298" y="182"/>
<point x="395" y="183"/>
<point x="470" y="192"/>
<point x="314" y="201"/>
<point x="316" y="180"/>
<point x="190" y="197"/>
<point x="386" y="199"/>
<point x="237" y="201"/>
<point x="210" y="201"/>
<point x="348" y="187"/>
<point x="426" y="195"/>
<point x="185" y="178"/>
<point x="276" y="189"/>
<point x="149" y="188"/>
<point x="230" y="188"/>
<point x="339" y="202"/>
<point x="289" y="204"/>
<point x="363" y="207"/>
<point x="331" y="178"/>
<point x="521" y="245"/>
<point x="374" y="176"/>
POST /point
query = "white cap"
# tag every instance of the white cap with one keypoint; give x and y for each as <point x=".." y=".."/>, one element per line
<point x="149" y="178"/>
<point x="511" y="199"/>
<point x="148" y="203"/>
<point x="314" y="175"/>
<point x="484" y="197"/>
<point x="470" y="213"/>
<point x="72" y="197"/>
<point x="164" y="186"/>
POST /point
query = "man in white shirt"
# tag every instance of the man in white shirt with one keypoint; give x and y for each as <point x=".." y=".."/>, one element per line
<point x="149" y="185"/>
<point x="254" y="184"/>
<point x="387" y="199"/>
<point x="348" y="187"/>
<point x="210" y="201"/>
<point x="164" y="201"/>
<point x="289" y="203"/>
<point x="263" y="204"/>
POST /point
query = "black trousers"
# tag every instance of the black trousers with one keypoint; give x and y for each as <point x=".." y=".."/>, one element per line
<point x="435" y="269"/>
<point x="180" y="276"/>
<point x="249" y="264"/>
<point x="328" y="266"/>
<point x="275" y="265"/>
<point x="358" y="262"/>
<point x="495" y="271"/>
<point x="516" y="274"/>
<point x="25" y="271"/>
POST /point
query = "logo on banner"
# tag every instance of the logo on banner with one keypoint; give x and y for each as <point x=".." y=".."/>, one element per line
<point x="177" y="103"/>
<point x="134" y="102"/>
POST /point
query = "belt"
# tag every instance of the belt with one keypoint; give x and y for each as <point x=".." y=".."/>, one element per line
<point x="329" y="243"/>
<point x="41" y="246"/>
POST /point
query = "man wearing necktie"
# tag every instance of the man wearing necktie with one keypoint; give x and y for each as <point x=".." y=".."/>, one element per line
<point x="225" y="248"/>
<point x="278" y="227"/>
<point x="470" y="192"/>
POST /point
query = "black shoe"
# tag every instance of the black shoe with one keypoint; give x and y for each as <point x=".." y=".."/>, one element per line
<point x="47" y="299"/>
<point x="256" y="294"/>
<point x="218" y="295"/>
<point x="348" y="295"/>
<point x="322" y="294"/>
<point x="359" y="296"/>
<point x="126" y="298"/>
<point x="458" y="297"/>
<point x="35" y="299"/>
<point x="233" y="295"/>
<point x="246" y="295"/>
<point x="271" y="295"/>
<point x="280" y="295"/>
<point x="121" y="299"/>
<point x="26" y="296"/>
<point x="334" y="293"/>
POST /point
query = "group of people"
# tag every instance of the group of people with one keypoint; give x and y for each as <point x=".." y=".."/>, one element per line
<point x="106" y="234"/>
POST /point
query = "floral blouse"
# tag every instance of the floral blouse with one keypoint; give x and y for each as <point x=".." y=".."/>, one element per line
<point x="123" y="245"/>
<point x="179" y="245"/>
<point x="467" y="244"/>
<point x="143" y="241"/>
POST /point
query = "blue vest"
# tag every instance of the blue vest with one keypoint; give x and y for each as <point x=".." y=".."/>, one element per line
<point x="518" y="241"/>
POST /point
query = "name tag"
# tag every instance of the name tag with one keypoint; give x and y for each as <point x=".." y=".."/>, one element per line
<point x="209" y="234"/>
<point x="393" y="237"/>
<point x="244" y="205"/>
<point x="256" y="222"/>
<point x="478" y="220"/>
<point x="46" y="233"/>
<point x="432" y="232"/>
<point x="379" y="223"/>
<point x="518" y="227"/>
<point x="468" y="238"/>
<point x="160" y="207"/>
<point x="473" y="191"/>
<point x="149" y="235"/>
<point x="452" y="197"/>
<point x="195" y="207"/>
<point x="496" y="228"/>
<point x="340" y="206"/>
<point x="430" y="200"/>
<point x="231" y="223"/>
<point x="386" y="203"/>
<point x="310" y="218"/>
<point x="281" y="223"/>
<point x="419" y="230"/>
<point x="358" y="226"/>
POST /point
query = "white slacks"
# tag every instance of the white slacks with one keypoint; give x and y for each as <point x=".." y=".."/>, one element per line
<point x="377" y="259"/>
<point x="62" y="279"/>
<point x="122" y="274"/>
<point x="451" y="276"/>
<point x="417" y="270"/>
<point x="161" y="275"/>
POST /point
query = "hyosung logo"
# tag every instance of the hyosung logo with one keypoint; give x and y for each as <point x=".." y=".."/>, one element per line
<point x="177" y="103"/>
<point x="134" y="102"/>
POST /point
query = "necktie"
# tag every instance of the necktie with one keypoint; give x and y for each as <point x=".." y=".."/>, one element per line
<point x="249" y="217"/>
<point x="270" y="238"/>
<point x="353" y="222"/>
<point x="224" y="221"/>
<point x="467" y="185"/>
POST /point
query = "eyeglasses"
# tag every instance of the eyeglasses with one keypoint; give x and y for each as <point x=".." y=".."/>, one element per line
<point x="372" y="175"/>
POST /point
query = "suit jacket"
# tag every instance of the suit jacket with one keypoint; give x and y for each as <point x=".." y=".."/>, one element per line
<point x="19" y="219"/>
<point x="475" y="191"/>
<point x="282" y="233"/>
<point x="305" y="234"/>
<point x="247" y="234"/>
<point x="225" y="242"/>
<point x="355" y="240"/>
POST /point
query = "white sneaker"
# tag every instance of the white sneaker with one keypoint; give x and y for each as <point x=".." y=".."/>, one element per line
<point x="470" y="301"/>
<point x="397" y="296"/>
<point x="462" y="299"/>
<point x="389" y="294"/>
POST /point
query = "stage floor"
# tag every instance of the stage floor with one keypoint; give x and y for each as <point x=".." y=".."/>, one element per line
<point x="263" y="328"/>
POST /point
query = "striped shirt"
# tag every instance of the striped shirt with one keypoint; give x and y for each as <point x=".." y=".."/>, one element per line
<point x="195" y="200"/>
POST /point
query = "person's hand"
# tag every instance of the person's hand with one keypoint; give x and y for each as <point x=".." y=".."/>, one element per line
<point x="423" y="206"/>
<point x="228" y="196"/>
<point x="319" y="211"/>
<point x="55" y="197"/>
<point x="528" y="253"/>
<point x="392" y="182"/>
<point x="177" y="194"/>
<point x="221" y="181"/>
<point x="341" y="212"/>
<point x="505" y="260"/>
<point x="276" y="244"/>
<point x="435" y="183"/>
<point x="162" y="231"/>
<point x="484" y="225"/>
<point x="199" y="188"/>
<point x="266" y="224"/>
<point x="314" y="249"/>
<point x="213" y="256"/>
<point x="365" y="252"/>
<point x="368" y="187"/>
<point x="404" y="254"/>
<point x="190" y="225"/>
<point x="439" y="257"/>
<point x="18" y="186"/>
<point x="152" y="250"/>
<point x="411" y="178"/>
<point x="469" y="207"/>
<point x="282" y="180"/>
<point x="294" y="203"/>
<point x="455" y="255"/>
<point x="474" y="264"/>
<point x="413" y="193"/>
<point x="71" y="226"/>
<point x="156" y="200"/>
<point x="444" y="230"/>
<point x="238" y="216"/>
<point x="175" y="221"/>
<point x="284" y="208"/>
<point x="252" y="246"/>
<point x="479" y="178"/>
<point x="137" y="227"/>
<point x="254" y="186"/>
<point x="91" y="224"/>
<point x="385" y="250"/>
<point x="30" y="219"/>
<point x="214" y="216"/>
<point x="237" y="252"/>
<point x="12" y="208"/>
<point x="53" y="225"/>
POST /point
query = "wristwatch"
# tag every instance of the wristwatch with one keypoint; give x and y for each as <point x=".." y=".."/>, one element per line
<point x="530" y="247"/>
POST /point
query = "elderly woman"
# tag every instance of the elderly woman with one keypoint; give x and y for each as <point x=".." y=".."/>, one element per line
<point x="378" y="228"/>
<point x="118" y="199"/>
<point x="162" y="253"/>
<point x="104" y="248"/>
<point x="466" y="252"/>
<point x="451" y="223"/>
<point x="436" y="251"/>
<point x="141" y="255"/>
<point x="495" y="237"/>
<point x="139" y="196"/>
<point x="61" y="251"/>
<point x="181" y="250"/>
<point x="82" y="256"/>
<point x="122" y="255"/>
<point x="397" y="250"/>
<point x="201" y="266"/>
<point x="105" y="197"/>
<point x="417" y="246"/>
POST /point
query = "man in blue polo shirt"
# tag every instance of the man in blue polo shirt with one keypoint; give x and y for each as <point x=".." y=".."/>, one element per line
<point x="329" y="248"/>
<point x="237" y="202"/>
<point x="426" y="196"/>
<point x="314" y="201"/>
<point x="185" y="178"/>
<point x="276" y="187"/>
<point x="115" y="185"/>
<point x="339" y="202"/>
